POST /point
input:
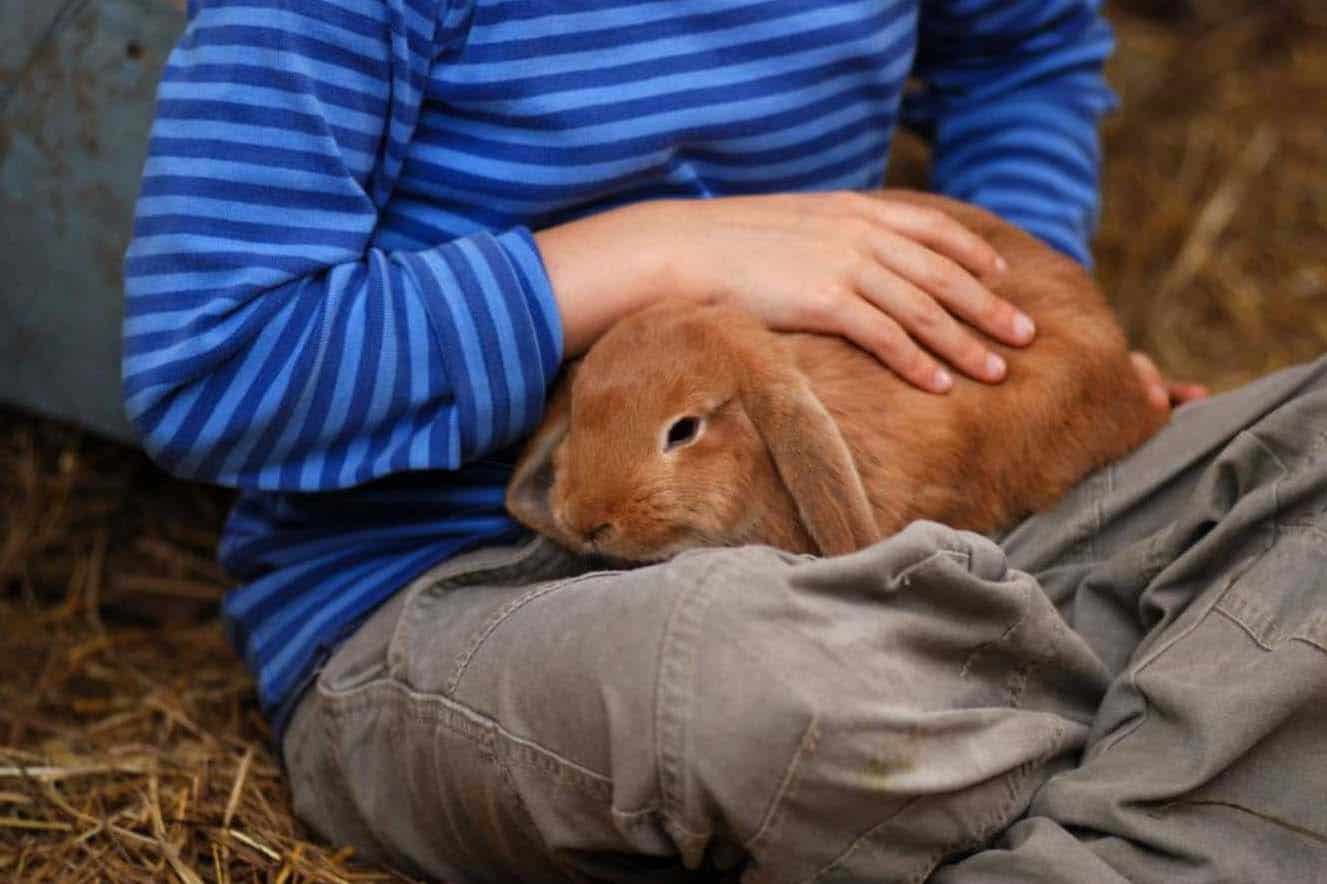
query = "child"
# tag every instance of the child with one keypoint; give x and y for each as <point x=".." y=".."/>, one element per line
<point x="369" y="233"/>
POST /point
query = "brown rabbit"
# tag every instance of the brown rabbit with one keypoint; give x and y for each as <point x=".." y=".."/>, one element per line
<point x="694" y="426"/>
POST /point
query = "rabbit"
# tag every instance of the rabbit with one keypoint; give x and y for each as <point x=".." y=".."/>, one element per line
<point x="687" y="426"/>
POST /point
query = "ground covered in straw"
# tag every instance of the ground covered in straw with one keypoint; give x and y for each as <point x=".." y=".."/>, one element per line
<point x="130" y="747"/>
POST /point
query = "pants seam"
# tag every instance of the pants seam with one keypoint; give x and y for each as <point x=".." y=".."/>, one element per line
<point x="460" y="571"/>
<point x="676" y="669"/>
<point x="772" y="816"/>
<point x="464" y="658"/>
<point x="486" y="733"/>
<point x="509" y="782"/>
<point x="861" y="839"/>
<point x="360" y="822"/>
<point x="1245" y="628"/>
<point x="1311" y="642"/>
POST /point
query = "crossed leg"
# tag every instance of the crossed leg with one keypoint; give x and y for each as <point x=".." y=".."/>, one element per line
<point x="920" y="708"/>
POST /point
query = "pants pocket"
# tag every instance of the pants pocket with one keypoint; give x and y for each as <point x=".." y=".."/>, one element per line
<point x="1283" y="597"/>
<point x="1209" y="748"/>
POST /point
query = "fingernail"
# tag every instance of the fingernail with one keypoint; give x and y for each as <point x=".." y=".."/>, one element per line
<point x="1024" y="329"/>
<point x="943" y="380"/>
<point x="1001" y="264"/>
<point x="995" y="367"/>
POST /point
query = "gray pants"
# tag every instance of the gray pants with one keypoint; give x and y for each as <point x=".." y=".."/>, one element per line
<point x="1132" y="687"/>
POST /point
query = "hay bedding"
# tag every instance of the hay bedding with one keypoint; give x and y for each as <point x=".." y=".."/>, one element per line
<point x="130" y="746"/>
<point x="1213" y="241"/>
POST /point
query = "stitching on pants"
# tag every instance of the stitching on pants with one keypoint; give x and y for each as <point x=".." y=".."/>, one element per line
<point x="479" y="729"/>
<point x="493" y="744"/>
<point x="1018" y="678"/>
<point x="858" y="842"/>
<point x="1245" y="608"/>
<point x="467" y="654"/>
<point x="638" y="816"/>
<point x="523" y="563"/>
<point x="1158" y="652"/>
<point x="346" y="800"/>
<point x="1317" y="627"/>
<point x="522" y="752"/>
<point x="980" y="649"/>
<point x="1014" y="786"/>
<point x="1245" y="628"/>
<point x="1263" y="623"/>
<point x="1231" y="805"/>
<point x="509" y="782"/>
<point x="904" y="577"/>
<point x="516" y="561"/>
<point x="1214" y="605"/>
<point x="773" y="813"/>
<point x="304" y="773"/>
<point x="669" y="729"/>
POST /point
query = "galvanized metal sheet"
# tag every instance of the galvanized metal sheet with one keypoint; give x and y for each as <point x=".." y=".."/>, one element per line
<point x="77" y="87"/>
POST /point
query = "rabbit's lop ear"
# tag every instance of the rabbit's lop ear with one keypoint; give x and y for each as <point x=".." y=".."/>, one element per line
<point x="531" y="485"/>
<point x="812" y="459"/>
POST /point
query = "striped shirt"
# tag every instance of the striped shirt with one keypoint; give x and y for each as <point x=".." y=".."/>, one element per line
<point x="334" y="300"/>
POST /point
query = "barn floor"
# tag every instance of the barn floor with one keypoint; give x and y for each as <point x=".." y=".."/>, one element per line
<point x="130" y="746"/>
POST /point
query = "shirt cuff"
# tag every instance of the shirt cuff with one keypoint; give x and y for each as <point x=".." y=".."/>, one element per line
<point x="499" y="333"/>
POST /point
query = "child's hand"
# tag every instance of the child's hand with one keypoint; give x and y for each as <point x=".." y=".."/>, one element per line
<point x="896" y="279"/>
<point x="1164" y="393"/>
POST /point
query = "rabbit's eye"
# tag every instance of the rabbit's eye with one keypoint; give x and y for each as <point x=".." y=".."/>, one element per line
<point x="681" y="432"/>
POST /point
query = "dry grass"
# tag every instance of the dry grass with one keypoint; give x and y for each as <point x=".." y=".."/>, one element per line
<point x="1213" y="240"/>
<point x="130" y="746"/>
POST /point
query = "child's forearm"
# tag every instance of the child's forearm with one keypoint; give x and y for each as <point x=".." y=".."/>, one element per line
<point x="602" y="268"/>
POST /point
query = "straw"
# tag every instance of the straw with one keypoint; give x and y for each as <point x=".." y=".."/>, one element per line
<point x="131" y="748"/>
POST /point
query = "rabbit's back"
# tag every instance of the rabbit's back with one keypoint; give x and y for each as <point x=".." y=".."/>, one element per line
<point x="983" y="455"/>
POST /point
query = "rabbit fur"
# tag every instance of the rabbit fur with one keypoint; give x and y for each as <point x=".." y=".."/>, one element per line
<point x="807" y="443"/>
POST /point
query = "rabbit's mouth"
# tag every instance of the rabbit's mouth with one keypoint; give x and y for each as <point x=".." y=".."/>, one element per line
<point x="628" y="550"/>
<point x="604" y="562"/>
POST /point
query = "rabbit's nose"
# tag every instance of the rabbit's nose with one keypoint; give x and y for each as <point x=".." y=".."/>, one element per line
<point x="599" y="532"/>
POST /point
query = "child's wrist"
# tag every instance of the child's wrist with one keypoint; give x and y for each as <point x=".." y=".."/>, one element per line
<point x="606" y="266"/>
<point x="668" y="258"/>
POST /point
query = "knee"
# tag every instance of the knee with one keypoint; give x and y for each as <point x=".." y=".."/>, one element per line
<point x="762" y="639"/>
<point x="912" y="621"/>
<point x="830" y="688"/>
<point x="765" y="648"/>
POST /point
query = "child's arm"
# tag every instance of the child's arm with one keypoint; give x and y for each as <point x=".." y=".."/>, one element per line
<point x="268" y="342"/>
<point x="894" y="278"/>
<point x="1011" y="94"/>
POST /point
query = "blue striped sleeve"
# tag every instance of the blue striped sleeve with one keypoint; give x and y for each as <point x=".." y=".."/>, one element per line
<point x="1010" y="93"/>
<point x="268" y="342"/>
